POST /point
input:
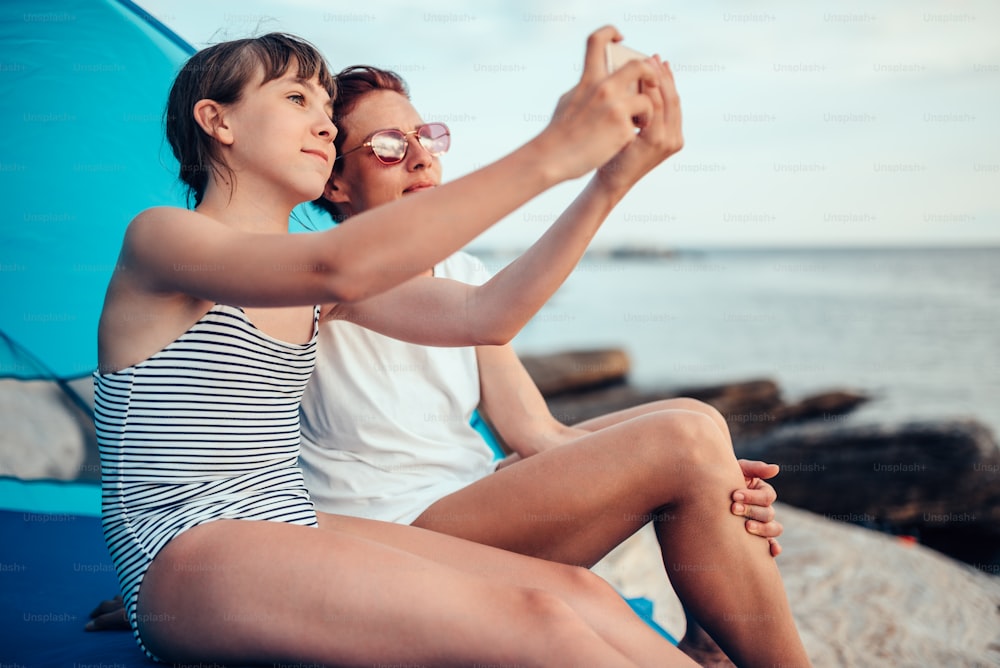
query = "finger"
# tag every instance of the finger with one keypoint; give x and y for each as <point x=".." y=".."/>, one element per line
<point x="595" y="65"/>
<point x="625" y="86"/>
<point x="512" y="458"/>
<point x="775" y="546"/>
<point x="656" y="129"/>
<point x="670" y="84"/>
<point x="107" y="606"/>
<point x="668" y="89"/>
<point x="753" y="468"/>
<point x="637" y="75"/>
<point x="758" y="513"/>
<point x="672" y="98"/>
<point x="764" y="495"/>
<point x="112" y="621"/>
<point x="765" y="529"/>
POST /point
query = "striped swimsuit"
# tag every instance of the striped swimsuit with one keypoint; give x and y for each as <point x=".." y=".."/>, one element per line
<point x="205" y="429"/>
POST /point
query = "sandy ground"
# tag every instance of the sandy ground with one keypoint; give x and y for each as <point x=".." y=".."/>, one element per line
<point x="860" y="598"/>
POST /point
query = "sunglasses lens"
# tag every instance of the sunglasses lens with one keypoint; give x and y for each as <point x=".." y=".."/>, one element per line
<point x="389" y="146"/>
<point x="435" y="138"/>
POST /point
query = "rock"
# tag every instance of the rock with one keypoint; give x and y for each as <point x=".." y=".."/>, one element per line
<point x="743" y="403"/>
<point x="826" y="406"/>
<point x="757" y="393"/>
<point x="756" y="406"/>
<point x="577" y="407"/>
<point x="912" y="476"/>
<point x="863" y="598"/>
<point x="42" y="436"/>
<point x="750" y="406"/>
<point x="576" y="370"/>
<point x="859" y="597"/>
<point x="635" y="569"/>
<point x="83" y="388"/>
<point x="936" y="481"/>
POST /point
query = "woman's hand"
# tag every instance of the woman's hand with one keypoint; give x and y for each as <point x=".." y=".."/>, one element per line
<point x="593" y="120"/>
<point x="659" y="137"/>
<point x="755" y="502"/>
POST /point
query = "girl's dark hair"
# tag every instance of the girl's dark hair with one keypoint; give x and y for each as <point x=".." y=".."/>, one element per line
<point x="221" y="73"/>
<point x="352" y="84"/>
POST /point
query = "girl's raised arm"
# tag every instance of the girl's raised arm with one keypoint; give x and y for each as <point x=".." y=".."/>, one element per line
<point x="184" y="252"/>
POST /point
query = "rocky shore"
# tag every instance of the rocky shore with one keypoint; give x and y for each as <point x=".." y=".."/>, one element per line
<point x="934" y="482"/>
<point x="860" y="597"/>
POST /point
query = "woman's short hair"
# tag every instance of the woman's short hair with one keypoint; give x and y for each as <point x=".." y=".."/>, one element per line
<point x="353" y="83"/>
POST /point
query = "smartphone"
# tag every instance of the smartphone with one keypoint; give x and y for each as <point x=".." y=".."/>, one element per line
<point x="617" y="54"/>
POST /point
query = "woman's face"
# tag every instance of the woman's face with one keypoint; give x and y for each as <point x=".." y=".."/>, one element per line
<point x="363" y="182"/>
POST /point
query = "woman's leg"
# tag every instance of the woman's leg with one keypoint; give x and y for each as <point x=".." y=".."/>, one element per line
<point x="696" y="641"/>
<point x="680" y="403"/>
<point x="676" y="468"/>
<point x="265" y="592"/>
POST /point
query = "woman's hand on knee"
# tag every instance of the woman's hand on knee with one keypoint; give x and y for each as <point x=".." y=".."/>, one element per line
<point x="756" y="502"/>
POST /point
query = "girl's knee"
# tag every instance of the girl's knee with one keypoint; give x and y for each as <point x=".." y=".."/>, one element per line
<point x="578" y="586"/>
<point x="580" y="579"/>
<point x="539" y="609"/>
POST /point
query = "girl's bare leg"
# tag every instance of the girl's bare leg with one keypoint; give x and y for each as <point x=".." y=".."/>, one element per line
<point x="676" y="468"/>
<point x="266" y="592"/>
<point x="586" y="593"/>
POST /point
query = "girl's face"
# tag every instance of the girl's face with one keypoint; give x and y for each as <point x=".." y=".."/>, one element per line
<point x="363" y="181"/>
<point x="282" y="132"/>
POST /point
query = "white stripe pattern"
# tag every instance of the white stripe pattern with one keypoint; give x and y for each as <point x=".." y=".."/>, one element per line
<point x="205" y="429"/>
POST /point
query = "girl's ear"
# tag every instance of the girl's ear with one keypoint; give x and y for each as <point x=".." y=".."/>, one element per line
<point x="210" y="116"/>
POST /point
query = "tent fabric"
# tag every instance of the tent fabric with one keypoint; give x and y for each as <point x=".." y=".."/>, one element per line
<point x="83" y="85"/>
<point x="54" y="568"/>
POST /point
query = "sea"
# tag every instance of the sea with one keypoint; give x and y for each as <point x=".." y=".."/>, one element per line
<point x="918" y="330"/>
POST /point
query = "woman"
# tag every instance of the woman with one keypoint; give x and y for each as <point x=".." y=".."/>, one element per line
<point x="394" y="443"/>
<point x="205" y="343"/>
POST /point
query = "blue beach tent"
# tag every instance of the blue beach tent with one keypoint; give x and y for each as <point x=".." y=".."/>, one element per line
<point x="83" y="84"/>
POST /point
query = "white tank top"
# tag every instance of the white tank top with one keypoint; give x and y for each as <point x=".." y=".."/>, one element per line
<point x="385" y="424"/>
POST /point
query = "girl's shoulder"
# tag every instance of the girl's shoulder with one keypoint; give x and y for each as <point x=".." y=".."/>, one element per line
<point x="160" y="223"/>
<point x="160" y="215"/>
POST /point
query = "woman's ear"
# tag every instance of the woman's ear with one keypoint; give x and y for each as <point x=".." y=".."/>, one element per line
<point x="210" y="116"/>
<point x="335" y="192"/>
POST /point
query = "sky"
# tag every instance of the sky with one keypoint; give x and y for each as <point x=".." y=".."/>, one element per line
<point x="823" y="124"/>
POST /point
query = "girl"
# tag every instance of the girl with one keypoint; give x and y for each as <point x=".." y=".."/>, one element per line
<point x="206" y="341"/>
